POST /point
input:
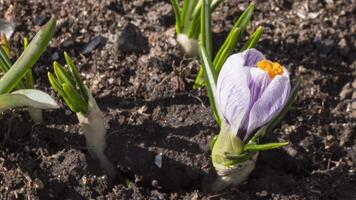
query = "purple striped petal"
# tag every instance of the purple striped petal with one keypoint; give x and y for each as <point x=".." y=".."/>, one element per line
<point x="233" y="94"/>
<point x="251" y="57"/>
<point x="270" y="103"/>
<point x="258" y="80"/>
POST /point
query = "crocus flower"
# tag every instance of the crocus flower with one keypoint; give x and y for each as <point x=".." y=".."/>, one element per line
<point x="250" y="92"/>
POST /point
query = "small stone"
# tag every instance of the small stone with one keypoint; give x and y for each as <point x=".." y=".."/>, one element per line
<point x="346" y="92"/>
<point x="84" y="181"/>
<point x="7" y="28"/>
<point x="354" y="83"/>
<point x="353" y="105"/>
<point x="326" y="46"/>
<point x="132" y="40"/>
<point x="55" y="56"/>
<point x="158" y="160"/>
<point x="38" y="184"/>
<point x="155" y="183"/>
<point x="90" y="46"/>
<point x="344" y="49"/>
<point x="353" y="115"/>
<point x="41" y="19"/>
<point x="67" y="112"/>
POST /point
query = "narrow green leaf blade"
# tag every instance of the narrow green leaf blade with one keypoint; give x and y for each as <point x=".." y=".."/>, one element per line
<point x="76" y="76"/>
<point x="28" y="58"/>
<point x="62" y="75"/>
<point x="264" y="147"/>
<point x="205" y="32"/>
<point x="210" y="80"/>
<point x="75" y="98"/>
<point x="176" y="11"/>
<point x="253" y="40"/>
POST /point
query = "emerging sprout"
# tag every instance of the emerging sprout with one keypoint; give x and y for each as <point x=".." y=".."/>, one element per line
<point x="249" y="95"/>
<point x="68" y="84"/>
<point x="14" y="74"/>
<point x="187" y="23"/>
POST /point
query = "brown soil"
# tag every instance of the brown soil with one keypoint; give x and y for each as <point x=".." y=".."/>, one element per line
<point x="128" y="56"/>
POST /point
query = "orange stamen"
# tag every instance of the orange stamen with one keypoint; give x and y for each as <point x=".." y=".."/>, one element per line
<point x="272" y="68"/>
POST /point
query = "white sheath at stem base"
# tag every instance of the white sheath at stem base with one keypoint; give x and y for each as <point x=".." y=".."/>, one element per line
<point x="233" y="175"/>
<point x="93" y="127"/>
<point x="189" y="45"/>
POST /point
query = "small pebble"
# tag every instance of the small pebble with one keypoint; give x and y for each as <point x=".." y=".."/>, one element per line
<point x="38" y="184"/>
<point x="41" y="19"/>
<point x="67" y="112"/>
<point x="132" y="40"/>
<point x="94" y="43"/>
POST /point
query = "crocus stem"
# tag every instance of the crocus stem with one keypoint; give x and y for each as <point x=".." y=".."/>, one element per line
<point x="93" y="127"/>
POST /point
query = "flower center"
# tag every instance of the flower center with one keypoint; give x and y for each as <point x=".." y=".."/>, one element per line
<point x="272" y="68"/>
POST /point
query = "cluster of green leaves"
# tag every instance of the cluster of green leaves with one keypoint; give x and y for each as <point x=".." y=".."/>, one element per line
<point x="188" y="16"/>
<point x="19" y="75"/>
<point x="67" y="82"/>
<point x="206" y="50"/>
<point x="234" y="37"/>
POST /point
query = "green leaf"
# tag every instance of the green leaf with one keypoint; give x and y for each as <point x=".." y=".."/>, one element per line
<point x="75" y="98"/>
<point x="55" y="84"/>
<point x="252" y="41"/>
<point x="58" y="88"/>
<point x="210" y="78"/>
<point x="226" y="50"/>
<point x="186" y="14"/>
<point x="263" y="147"/>
<point x="25" y="42"/>
<point x="5" y="60"/>
<point x="62" y="75"/>
<point x="176" y="10"/>
<point x="229" y="44"/>
<point x="27" y="97"/>
<point x="205" y="33"/>
<point x="28" y="58"/>
<point x="244" y="19"/>
<point x="5" y="65"/>
<point x="76" y="76"/>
